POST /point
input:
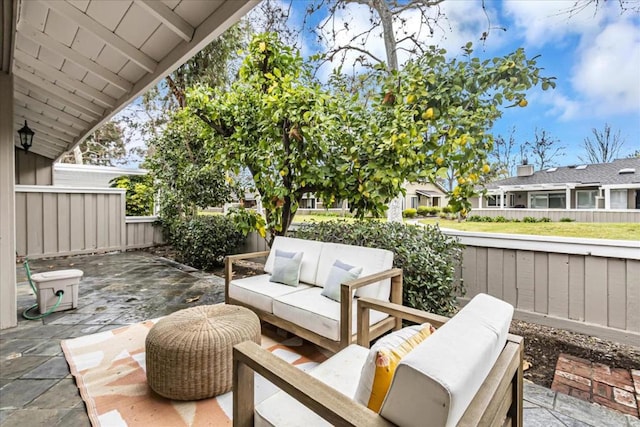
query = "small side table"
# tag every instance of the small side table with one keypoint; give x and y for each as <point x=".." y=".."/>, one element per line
<point x="189" y="352"/>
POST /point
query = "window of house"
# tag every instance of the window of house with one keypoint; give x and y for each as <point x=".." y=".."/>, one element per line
<point x="618" y="199"/>
<point x="547" y="200"/>
<point x="493" y="200"/>
<point x="512" y="200"/>
<point x="414" y="202"/>
<point x="586" y="199"/>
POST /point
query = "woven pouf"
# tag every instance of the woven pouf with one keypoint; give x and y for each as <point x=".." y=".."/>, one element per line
<point x="189" y="353"/>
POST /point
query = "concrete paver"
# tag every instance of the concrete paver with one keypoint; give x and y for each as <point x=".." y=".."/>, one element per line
<point x="117" y="289"/>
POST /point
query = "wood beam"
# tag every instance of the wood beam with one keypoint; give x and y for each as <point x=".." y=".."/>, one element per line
<point x="54" y="112"/>
<point x="168" y="17"/>
<point x="71" y="12"/>
<point x="24" y="60"/>
<point x="26" y="88"/>
<point x="39" y="148"/>
<point x="74" y="56"/>
<point x="45" y="119"/>
<point x="54" y="143"/>
<point x="82" y="105"/>
<point x="25" y="77"/>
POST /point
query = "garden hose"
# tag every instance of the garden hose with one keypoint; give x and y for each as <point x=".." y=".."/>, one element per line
<point x="25" y="313"/>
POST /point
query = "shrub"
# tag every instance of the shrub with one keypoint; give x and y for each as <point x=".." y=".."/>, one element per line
<point x="204" y="241"/>
<point x="409" y="213"/>
<point x="139" y="196"/>
<point x="544" y="219"/>
<point x="474" y="218"/>
<point x="500" y="218"/>
<point x="565" y="219"/>
<point x="529" y="219"/>
<point x="423" y="210"/>
<point x="427" y="256"/>
<point x="447" y="209"/>
<point x="443" y="215"/>
<point x="434" y="210"/>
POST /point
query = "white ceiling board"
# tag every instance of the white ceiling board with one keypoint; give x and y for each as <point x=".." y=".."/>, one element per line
<point x="60" y="28"/>
<point x="108" y="12"/>
<point x="50" y="111"/>
<point x="48" y="121"/>
<point x="114" y="91"/>
<point x="195" y="12"/>
<point x="78" y="73"/>
<point x="171" y="3"/>
<point x="87" y="44"/>
<point x="35" y="13"/>
<point x="132" y="72"/>
<point x="38" y="148"/>
<point x="162" y="40"/>
<point x="99" y="83"/>
<point x="112" y="59"/>
<point x="39" y="124"/>
<point x="168" y="18"/>
<point x="27" y="46"/>
<point x="51" y="58"/>
<point x="137" y="26"/>
<point x="80" y="4"/>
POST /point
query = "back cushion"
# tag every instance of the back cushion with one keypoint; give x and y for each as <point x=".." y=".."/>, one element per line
<point x="439" y="379"/>
<point x="370" y="259"/>
<point x="310" y="254"/>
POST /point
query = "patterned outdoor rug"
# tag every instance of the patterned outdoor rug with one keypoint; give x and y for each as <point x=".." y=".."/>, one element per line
<point x="109" y="368"/>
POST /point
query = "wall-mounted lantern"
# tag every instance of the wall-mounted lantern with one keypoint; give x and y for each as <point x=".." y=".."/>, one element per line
<point x="26" y="136"/>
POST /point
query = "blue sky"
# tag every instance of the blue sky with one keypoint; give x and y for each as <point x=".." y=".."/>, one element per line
<point x="595" y="57"/>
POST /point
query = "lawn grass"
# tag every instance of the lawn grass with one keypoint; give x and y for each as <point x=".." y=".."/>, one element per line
<point x="590" y="230"/>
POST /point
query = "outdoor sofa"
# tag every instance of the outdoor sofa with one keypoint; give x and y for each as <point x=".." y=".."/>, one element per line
<point x="301" y="308"/>
<point x="466" y="373"/>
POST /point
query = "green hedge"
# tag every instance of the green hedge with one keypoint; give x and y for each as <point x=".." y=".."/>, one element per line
<point x="204" y="241"/>
<point x="427" y="257"/>
<point x="409" y="213"/>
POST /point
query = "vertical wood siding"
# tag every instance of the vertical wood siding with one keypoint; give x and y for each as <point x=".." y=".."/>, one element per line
<point x="55" y="221"/>
<point x="580" y="215"/>
<point x="590" y="293"/>
<point x="142" y="232"/>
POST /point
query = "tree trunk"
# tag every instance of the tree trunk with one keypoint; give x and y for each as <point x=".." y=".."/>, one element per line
<point x="77" y="155"/>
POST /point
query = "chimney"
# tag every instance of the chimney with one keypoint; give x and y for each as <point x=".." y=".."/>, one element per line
<point x="525" y="170"/>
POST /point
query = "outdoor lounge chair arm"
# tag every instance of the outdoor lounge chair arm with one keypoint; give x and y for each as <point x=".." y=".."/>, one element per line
<point x="228" y="267"/>
<point x="322" y="399"/>
<point x="346" y="296"/>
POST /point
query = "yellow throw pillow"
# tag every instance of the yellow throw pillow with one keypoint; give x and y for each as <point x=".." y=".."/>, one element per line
<point x="382" y="361"/>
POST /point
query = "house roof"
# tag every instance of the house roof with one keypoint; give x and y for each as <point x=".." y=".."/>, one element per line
<point x="76" y="64"/>
<point x="429" y="193"/>
<point x="598" y="174"/>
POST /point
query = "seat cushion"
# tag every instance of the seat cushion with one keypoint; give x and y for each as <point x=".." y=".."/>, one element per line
<point x="310" y="254"/>
<point x="258" y="291"/>
<point x="370" y="259"/>
<point x="440" y="377"/>
<point x="311" y="310"/>
<point x="341" y="372"/>
<point x="286" y="268"/>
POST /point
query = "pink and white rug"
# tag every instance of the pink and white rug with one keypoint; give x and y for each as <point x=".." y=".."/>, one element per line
<point x="109" y="368"/>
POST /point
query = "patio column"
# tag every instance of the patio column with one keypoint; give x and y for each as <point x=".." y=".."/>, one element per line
<point x="7" y="206"/>
<point x="501" y="199"/>
<point x="567" y="196"/>
<point x="480" y="201"/>
<point x="607" y="198"/>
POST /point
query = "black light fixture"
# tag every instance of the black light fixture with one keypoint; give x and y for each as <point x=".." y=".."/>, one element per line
<point x="26" y="136"/>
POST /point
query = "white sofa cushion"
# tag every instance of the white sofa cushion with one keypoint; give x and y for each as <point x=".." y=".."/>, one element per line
<point x="310" y="310"/>
<point x="371" y="260"/>
<point x="438" y="379"/>
<point x="340" y="273"/>
<point x="311" y="253"/>
<point x="341" y="372"/>
<point x="258" y="291"/>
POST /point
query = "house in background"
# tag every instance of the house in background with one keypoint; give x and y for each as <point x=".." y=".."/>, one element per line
<point x="424" y="194"/>
<point x="609" y="186"/>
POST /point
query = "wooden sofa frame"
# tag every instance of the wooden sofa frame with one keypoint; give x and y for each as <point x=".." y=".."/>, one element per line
<point x="498" y="402"/>
<point x="346" y="311"/>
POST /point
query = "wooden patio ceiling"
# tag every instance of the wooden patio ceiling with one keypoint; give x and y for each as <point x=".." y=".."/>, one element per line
<point x="77" y="63"/>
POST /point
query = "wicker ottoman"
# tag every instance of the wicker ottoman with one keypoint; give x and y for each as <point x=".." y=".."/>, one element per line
<point x="189" y="353"/>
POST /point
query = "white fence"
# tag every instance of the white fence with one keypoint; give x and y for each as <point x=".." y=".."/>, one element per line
<point x="589" y="286"/>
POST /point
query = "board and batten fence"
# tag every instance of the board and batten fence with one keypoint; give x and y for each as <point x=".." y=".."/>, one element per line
<point x="579" y="215"/>
<point x="60" y="221"/>
<point x="590" y="286"/>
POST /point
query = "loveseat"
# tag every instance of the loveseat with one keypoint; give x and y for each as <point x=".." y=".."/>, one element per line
<point x="303" y="307"/>
<point x="466" y="373"/>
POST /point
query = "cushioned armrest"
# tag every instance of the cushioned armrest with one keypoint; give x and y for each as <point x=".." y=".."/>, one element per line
<point x="328" y="403"/>
<point x="228" y="267"/>
<point x="346" y="296"/>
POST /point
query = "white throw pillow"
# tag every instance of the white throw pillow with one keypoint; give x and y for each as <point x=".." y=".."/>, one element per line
<point x="286" y="268"/>
<point x="340" y="273"/>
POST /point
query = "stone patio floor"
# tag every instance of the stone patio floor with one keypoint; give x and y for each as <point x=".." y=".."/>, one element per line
<point x="37" y="389"/>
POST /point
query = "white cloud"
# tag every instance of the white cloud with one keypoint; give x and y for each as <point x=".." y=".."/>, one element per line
<point x="606" y="72"/>
<point x="544" y="21"/>
<point x="561" y="107"/>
